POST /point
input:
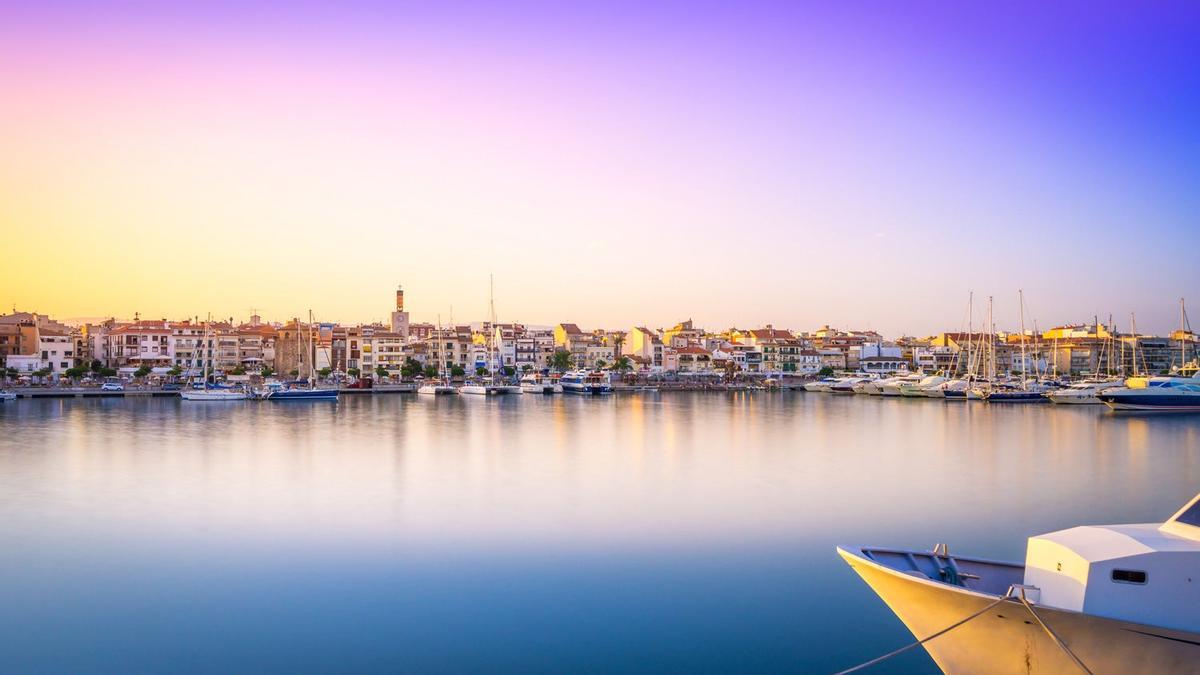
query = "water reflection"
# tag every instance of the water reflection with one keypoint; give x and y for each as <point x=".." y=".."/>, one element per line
<point x="641" y="532"/>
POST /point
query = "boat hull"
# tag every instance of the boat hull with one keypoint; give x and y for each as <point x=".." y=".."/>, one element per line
<point x="303" y="395"/>
<point x="1008" y="639"/>
<point x="1015" y="397"/>
<point x="1151" y="403"/>
<point x="541" y="388"/>
<point x="213" y="396"/>
<point x="587" y="389"/>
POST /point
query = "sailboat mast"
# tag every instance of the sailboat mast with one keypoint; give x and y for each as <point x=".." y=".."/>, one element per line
<point x="312" y="352"/>
<point x="205" y="354"/>
<point x="970" y="330"/>
<point x="1021" y="302"/>
<point x="991" y="343"/>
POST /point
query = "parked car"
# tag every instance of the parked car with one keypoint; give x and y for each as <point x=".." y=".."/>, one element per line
<point x="112" y="386"/>
<point x="172" y="386"/>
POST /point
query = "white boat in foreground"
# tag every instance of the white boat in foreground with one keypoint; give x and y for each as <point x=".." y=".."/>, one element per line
<point x="824" y="384"/>
<point x="481" y="389"/>
<point x="1104" y="599"/>
<point x="918" y="388"/>
<point x="592" y="383"/>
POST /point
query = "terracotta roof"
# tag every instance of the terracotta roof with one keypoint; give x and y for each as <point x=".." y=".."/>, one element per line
<point x="570" y="328"/>
<point x="692" y="350"/>
<point x="771" y="334"/>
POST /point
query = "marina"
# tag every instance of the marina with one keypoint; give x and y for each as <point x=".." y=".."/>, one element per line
<point x="631" y="527"/>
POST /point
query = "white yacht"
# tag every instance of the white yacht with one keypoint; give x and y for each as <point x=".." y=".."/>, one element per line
<point x="1169" y="393"/>
<point x="1100" y="599"/>
<point x="437" y="388"/>
<point x="950" y="389"/>
<point x="846" y="385"/>
<point x="476" y="388"/>
<point x="532" y="383"/>
<point x="891" y="386"/>
<point x="1082" y="392"/>
<point x="585" y="382"/>
<point x="8" y="395"/>
<point x="824" y="384"/>
<point x="918" y="388"/>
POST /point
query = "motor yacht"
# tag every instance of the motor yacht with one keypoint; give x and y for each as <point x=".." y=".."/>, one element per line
<point x="1100" y="599"/>
<point x="1081" y="393"/>
<point x="1169" y="393"/>
<point x="917" y="389"/>
<point x="824" y="384"/>
<point x="586" y="382"/>
<point x="533" y="383"/>
<point x="891" y="387"/>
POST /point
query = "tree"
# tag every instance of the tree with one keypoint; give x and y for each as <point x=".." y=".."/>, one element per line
<point x="325" y="372"/>
<point x="457" y="371"/>
<point x="825" y="371"/>
<point x="601" y="364"/>
<point x="175" y="371"/>
<point x="266" y="371"/>
<point x="561" y="360"/>
<point x="108" y="372"/>
<point x="431" y="371"/>
<point x="76" y="372"/>
<point x="353" y="372"/>
<point x="623" y="364"/>
<point x="508" y="371"/>
<point x="294" y="373"/>
<point x="97" y="366"/>
<point x="142" y="372"/>
<point x="239" y="370"/>
<point x="481" y="371"/>
<point x="43" y="372"/>
<point x="526" y="368"/>
<point x="411" y="368"/>
<point x="381" y="372"/>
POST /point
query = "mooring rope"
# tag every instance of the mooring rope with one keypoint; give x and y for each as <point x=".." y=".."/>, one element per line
<point x="922" y="641"/>
<point x="1009" y="594"/>
<point x="1053" y="636"/>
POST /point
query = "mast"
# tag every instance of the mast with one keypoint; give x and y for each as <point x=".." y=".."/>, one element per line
<point x="1133" y="329"/>
<point x="312" y="353"/>
<point x="207" y="326"/>
<point x="492" y="332"/>
<point x="970" y="331"/>
<point x="991" y="343"/>
<point x="1021" y="301"/>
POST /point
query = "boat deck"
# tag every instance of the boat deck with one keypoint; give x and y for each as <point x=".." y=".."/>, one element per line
<point x="975" y="574"/>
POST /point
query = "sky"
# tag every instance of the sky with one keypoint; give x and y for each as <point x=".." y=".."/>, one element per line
<point x="863" y="165"/>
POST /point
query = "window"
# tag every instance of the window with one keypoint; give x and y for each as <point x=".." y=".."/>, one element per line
<point x="1129" y="576"/>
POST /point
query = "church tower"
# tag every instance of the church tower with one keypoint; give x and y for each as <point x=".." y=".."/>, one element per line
<point x="399" y="316"/>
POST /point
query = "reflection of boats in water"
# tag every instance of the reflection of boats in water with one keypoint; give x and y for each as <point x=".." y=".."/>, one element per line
<point x="1115" y="598"/>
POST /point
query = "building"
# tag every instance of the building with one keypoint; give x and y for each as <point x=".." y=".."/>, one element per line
<point x="399" y="316"/>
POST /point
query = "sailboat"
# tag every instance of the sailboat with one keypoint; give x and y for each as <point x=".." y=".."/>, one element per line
<point x="479" y="386"/>
<point x="280" y="392"/>
<point x="205" y="393"/>
<point x="1026" y="393"/>
<point x="441" y="386"/>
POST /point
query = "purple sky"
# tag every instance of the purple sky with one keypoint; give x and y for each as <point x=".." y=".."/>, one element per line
<point x="863" y="164"/>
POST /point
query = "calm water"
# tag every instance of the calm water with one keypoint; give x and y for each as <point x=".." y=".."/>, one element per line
<point x="640" y="533"/>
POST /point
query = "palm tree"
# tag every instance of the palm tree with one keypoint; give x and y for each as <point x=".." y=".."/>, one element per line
<point x="561" y="360"/>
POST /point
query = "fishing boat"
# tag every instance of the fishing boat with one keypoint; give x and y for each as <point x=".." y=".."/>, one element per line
<point x="1081" y="393"/>
<point x="1096" y="599"/>
<point x="593" y="383"/>
<point x="301" y="390"/>
<point x="533" y="383"/>
<point x="202" y="391"/>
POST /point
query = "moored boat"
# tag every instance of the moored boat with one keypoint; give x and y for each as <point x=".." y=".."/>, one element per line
<point x="917" y="388"/>
<point x="585" y="382"/>
<point x="436" y="388"/>
<point x="1081" y="393"/>
<point x="1116" y="598"/>
<point x="8" y="395"/>
<point x="824" y="384"/>
<point x="1155" y="394"/>
<point x="533" y="383"/>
